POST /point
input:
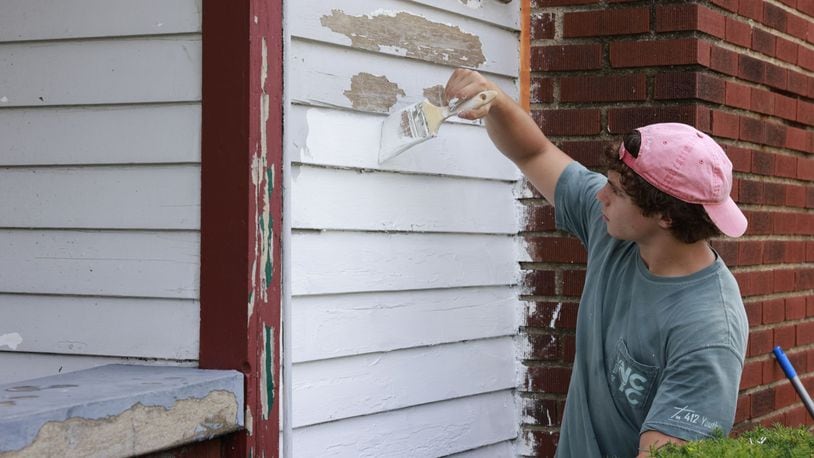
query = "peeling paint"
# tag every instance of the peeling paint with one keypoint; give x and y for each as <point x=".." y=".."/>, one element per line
<point x="556" y="315"/>
<point x="474" y="4"/>
<point x="249" y="420"/>
<point x="418" y="36"/>
<point x="137" y="430"/>
<point x="435" y="95"/>
<point x="267" y="372"/>
<point x="373" y="93"/>
<point x="11" y="340"/>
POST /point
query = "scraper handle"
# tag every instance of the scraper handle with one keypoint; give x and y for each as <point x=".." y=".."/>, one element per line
<point x="480" y="99"/>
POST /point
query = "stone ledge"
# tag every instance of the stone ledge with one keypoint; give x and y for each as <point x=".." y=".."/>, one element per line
<point x="118" y="410"/>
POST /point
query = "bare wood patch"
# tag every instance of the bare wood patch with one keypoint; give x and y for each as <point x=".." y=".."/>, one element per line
<point x="414" y="36"/>
<point x="435" y="95"/>
<point x="373" y="93"/>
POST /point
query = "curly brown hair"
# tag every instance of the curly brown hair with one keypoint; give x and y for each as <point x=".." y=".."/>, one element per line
<point x="689" y="223"/>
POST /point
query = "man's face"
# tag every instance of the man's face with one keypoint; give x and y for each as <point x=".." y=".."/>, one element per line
<point x="623" y="217"/>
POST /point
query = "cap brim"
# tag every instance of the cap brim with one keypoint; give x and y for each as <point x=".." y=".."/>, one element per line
<point x="727" y="217"/>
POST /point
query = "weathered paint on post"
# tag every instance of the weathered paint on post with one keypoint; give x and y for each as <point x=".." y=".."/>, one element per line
<point x="241" y="208"/>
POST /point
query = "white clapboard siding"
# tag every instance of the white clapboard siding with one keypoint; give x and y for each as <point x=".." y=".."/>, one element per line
<point x="329" y="390"/>
<point x="496" y="48"/>
<point x="122" y="134"/>
<point x="503" y="449"/>
<point x="398" y="202"/>
<point x="101" y="71"/>
<point x="504" y="14"/>
<point x="153" y="197"/>
<point x="460" y="149"/>
<point x="44" y="19"/>
<point x="100" y="263"/>
<point x="347" y="262"/>
<point x="19" y="366"/>
<point x="427" y="430"/>
<point x="325" y="327"/>
<point x="101" y="326"/>
<point x="325" y="73"/>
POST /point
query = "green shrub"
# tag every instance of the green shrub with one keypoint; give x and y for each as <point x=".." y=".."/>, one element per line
<point x="775" y="442"/>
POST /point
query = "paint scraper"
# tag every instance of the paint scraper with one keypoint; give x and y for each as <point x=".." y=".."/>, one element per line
<point x="420" y="122"/>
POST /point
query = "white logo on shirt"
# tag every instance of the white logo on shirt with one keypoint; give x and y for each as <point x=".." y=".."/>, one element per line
<point x="630" y="383"/>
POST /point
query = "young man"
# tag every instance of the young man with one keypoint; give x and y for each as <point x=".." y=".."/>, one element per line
<point x="661" y="329"/>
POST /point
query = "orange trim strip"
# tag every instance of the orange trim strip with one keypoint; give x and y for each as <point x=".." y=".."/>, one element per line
<point x="525" y="54"/>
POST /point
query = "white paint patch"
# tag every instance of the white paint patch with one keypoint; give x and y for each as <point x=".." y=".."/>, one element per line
<point x="4" y="99"/>
<point x="474" y="4"/>
<point x="11" y="340"/>
<point x="249" y="420"/>
<point x="556" y="315"/>
<point x="401" y="52"/>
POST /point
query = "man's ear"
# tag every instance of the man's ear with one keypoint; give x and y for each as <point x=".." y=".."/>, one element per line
<point x="665" y="222"/>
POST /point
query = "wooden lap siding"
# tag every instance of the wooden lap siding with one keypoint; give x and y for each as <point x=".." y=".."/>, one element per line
<point x="402" y="276"/>
<point x="99" y="184"/>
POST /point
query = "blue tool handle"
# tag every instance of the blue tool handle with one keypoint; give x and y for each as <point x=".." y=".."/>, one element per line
<point x="784" y="362"/>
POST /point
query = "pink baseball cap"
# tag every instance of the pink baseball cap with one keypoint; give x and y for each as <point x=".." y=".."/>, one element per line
<point x="687" y="164"/>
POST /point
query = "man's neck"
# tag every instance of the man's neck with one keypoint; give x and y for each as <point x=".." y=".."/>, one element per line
<point x="669" y="257"/>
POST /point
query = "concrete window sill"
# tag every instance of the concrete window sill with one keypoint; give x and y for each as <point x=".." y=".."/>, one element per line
<point x="118" y="410"/>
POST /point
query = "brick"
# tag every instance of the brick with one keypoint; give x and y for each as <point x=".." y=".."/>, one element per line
<point x="540" y="411"/>
<point x="727" y="249"/>
<point x="566" y="57"/>
<point x="684" y="85"/>
<point x="796" y="26"/>
<point x="805" y="112"/>
<point x="810" y="253"/>
<point x="544" y="442"/>
<point x="774" y="17"/>
<point x="569" y="348"/>
<point x="763" y="42"/>
<point x="623" y="120"/>
<point x="561" y="315"/>
<point x="738" y="95"/>
<point x="785" y="395"/>
<point x="588" y="153"/>
<point x="797" y="83"/>
<point x="805" y="58"/>
<point x="806" y="7"/>
<point x="754" y="312"/>
<point x="723" y="60"/>
<point x="686" y="51"/>
<point x="785" y="107"/>
<point x="761" y="101"/>
<point x="795" y="252"/>
<point x="762" y="402"/>
<point x="763" y="282"/>
<point x="810" y="311"/>
<point x="547" y="3"/>
<point x="548" y="379"/>
<point x="785" y="336"/>
<point x="751" y="9"/>
<point x="760" y="342"/>
<point x="752" y="130"/>
<point x="773" y="252"/>
<point x="731" y="5"/>
<point x="540" y="218"/>
<point x="786" y="50"/>
<point x="569" y="122"/>
<point x="573" y="282"/>
<point x="604" y="22"/>
<point x="615" y="88"/>
<point x="751" y="69"/>
<point x="741" y="157"/>
<point x="775" y="134"/>
<point x="542" y="90"/>
<point x="776" y="77"/>
<point x="784" y="281"/>
<point x="796" y="417"/>
<point x="774" y="311"/>
<point x="672" y="18"/>
<point x="805" y="333"/>
<point x="762" y="163"/>
<point x="539" y="282"/>
<point x="784" y="223"/>
<point x="738" y="32"/>
<point x="760" y="223"/>
<point x="557" y="249"/>
<point x="805" y="278"/>
<point x="750" y="252"/>
<point x="742" y="408"/>
<point x="752" y="374"/>
<point x="799" y="139"/>
<point x="542" y="26"/>
<point x="795" y="308"/>
<point x="805" y="168"/>
<point x="786" y="166"/>
<point x="543" y="347"/>
<point x="725" y="124"/>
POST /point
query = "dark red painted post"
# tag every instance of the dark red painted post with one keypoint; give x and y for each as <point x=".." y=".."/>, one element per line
<point x="241" y="208"/>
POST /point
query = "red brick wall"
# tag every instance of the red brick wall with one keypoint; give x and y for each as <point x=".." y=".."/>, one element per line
<point x="741" y="70"/>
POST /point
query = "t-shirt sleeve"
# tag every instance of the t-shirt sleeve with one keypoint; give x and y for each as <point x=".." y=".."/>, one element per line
<point x="576" y="209"/>
<point x="697" y="396"/>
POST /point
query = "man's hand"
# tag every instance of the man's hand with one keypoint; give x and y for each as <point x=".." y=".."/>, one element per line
<point x="655" y="439"/>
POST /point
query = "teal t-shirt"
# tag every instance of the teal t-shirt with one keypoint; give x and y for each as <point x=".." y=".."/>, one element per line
<point x="652" y="353"/>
